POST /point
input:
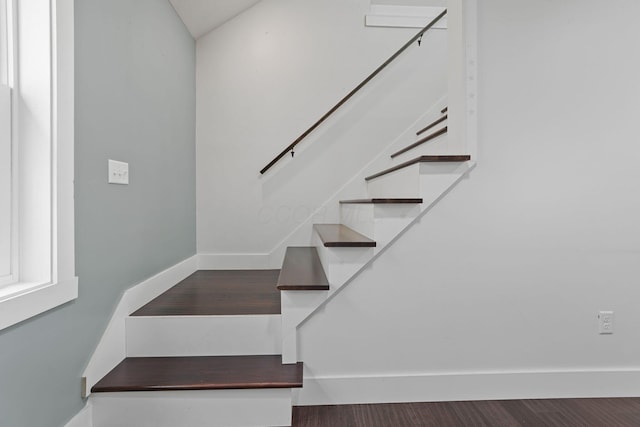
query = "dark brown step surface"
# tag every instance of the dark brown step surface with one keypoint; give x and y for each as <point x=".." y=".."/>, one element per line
<point x="421" y="159"/>
<point x="436" y="122"/>
<point x="200" y="373"/>
<point x="302" y="271"/>
<point x="341" y="236"/>
<point x="219" y="292"/>
<point x="444" y="110"/>
<point x="421" y="141"/>
<point x="379" y="201"/>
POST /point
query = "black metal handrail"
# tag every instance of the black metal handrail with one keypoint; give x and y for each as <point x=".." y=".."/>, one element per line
<point x="291" y="146"/>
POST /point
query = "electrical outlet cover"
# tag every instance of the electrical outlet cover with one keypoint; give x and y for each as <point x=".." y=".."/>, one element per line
<point x="605" y="322"/>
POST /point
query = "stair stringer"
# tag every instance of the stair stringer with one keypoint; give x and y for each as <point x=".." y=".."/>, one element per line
<point x="298" y="308"/>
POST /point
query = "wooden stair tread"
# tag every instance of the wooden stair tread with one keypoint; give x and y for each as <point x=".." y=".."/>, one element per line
<point x="433" y="124"/>
<point x="341" y="236"/>
<point x="444" y="110"/>
<point x="421" y="141"/>
<point x="219" y="292"/>
<point x="200" y="373"/>
<point x="422" y="159"/>
<point x="383" y="201"/>
<point x="302" y="271"/>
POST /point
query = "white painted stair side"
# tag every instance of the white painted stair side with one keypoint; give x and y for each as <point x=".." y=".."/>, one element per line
<point x="296" y="306"/>
<point x="211" y="408"/>
<point x="153" y="336"/>
<point x="380" y="222"/>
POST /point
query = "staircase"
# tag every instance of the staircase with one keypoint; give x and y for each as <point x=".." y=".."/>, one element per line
<point x="220" y="348"/>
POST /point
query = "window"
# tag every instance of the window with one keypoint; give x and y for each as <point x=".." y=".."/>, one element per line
<point x="36" y="155"/>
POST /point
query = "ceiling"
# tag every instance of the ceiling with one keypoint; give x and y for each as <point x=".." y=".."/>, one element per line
<point x="202" y="16"/>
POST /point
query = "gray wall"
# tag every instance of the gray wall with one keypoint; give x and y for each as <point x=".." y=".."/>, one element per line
<point x="135" y="102"/>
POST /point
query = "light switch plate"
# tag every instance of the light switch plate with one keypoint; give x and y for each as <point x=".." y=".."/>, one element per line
<point x="118" y="172"/>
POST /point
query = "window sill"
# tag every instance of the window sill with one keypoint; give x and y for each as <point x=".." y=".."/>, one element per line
<point x="22" y="301"/>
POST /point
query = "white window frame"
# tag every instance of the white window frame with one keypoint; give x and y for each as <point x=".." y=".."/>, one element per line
<point x="43" y="141"/>
<point x="6" y="230"/>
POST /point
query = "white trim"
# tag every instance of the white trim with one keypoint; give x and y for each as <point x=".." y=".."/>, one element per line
<point x="84" y="418"/>
<point x="471" y="68"/>
<point x="404" y="16"/>
<point x="35" y="295"/>
<point x="213" y="261"/>
<point x="4" y="43"/>
<point x="193" y="408"/>
<point x="28" y="300"/>
<point x="462" y="86"/>
<point x="342" y="390"/>
<point x="111" y="349"/>
<point x="6" y="190"/>
<point x="149" y="336"/>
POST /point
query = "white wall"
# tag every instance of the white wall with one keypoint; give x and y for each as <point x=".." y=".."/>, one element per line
<point x="264" y="78"/>
<point x="504" y="277"/>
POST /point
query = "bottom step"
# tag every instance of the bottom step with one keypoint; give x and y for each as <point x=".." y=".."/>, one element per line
<point x="200" y="373"/>
<point x="196" y="391"/>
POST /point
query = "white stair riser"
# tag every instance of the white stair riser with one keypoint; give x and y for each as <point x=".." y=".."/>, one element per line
<point x="211" y="408"/>
<point x="359" y="217"/>
<point x="342" y="263"/>
<point x="381" y="222"/>
<point x="203" y="335"/>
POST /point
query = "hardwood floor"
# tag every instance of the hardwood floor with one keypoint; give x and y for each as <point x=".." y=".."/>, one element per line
<point x="302" y="271"/>
<point x="219" y="292"/>
<point x="341" y="236"/>
<point x="622" y="412"/>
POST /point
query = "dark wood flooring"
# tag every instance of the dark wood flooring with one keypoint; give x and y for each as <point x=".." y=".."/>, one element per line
<point x="341" y="236"/>
<point x="200" y="373"/>
<point x="302" y="271"/>
<point x="219" y="292"/>
<point x="622" y="412"/>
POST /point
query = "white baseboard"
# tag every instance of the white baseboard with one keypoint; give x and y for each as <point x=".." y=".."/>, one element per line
<point x="84" y="418"/>
<point x="209" y="261"/>
<point x="342" y="390"/>
<point x="111" y="349"/>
